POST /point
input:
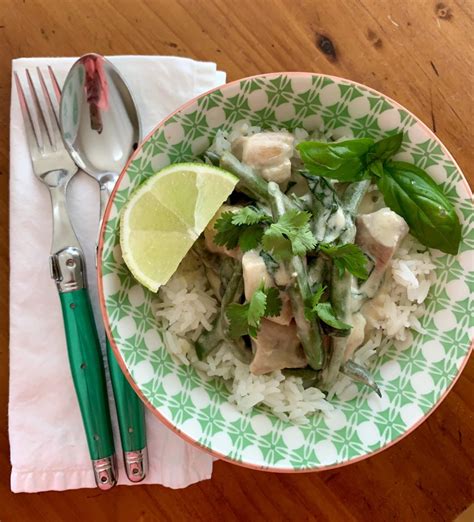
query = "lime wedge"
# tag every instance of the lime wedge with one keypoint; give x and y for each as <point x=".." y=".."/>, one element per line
<point x="164" y="217"/>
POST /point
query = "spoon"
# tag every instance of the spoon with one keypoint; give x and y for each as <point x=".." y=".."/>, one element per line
<point x="101" y="128"/>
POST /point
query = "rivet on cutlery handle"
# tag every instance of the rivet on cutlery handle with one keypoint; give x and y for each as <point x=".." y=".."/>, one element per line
<point x="131" y="419"/>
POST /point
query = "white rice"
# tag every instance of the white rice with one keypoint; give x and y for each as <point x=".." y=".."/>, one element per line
<point x="284" y="396"/>
<point x="186" y="304"/>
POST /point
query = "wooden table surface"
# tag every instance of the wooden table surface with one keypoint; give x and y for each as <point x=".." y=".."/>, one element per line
<point x="418" y="52"/>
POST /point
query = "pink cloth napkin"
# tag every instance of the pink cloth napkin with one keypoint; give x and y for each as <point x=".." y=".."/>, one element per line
<point x="47" y="441"/>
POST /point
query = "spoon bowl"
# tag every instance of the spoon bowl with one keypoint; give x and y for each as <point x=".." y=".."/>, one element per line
<point x="99" y="121"/>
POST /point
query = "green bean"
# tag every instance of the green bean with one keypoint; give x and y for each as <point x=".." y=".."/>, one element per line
<point x="317" y="271"/>
<point x="254" y="184"/>
<point x="213" y="157"/>
<point x="208" y="341"/>
<point x="325" y="204"/>
<point x="351" y="201"/>
<point x="234" y="290"/>
<point x="227" y="270"/>
<point x="212" y="267"/>
<point x="354" y="194"/>
<point x="359" y="373"/>
<point x="251" y="183"/>
<point x="242" y="353"/>
<point x="340" y="295"/>
<point x="300" y="293"/>
<point x="341" y="287"/>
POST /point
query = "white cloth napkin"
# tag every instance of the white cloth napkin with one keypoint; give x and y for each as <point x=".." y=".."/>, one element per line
<point x="47" y="441"/>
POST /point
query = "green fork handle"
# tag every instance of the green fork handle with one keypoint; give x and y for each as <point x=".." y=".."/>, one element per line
<point x="131" y="420"/>
<point x="87" y="368"/>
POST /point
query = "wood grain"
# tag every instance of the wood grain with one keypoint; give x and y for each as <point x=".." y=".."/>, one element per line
<point x="419" y="53"/>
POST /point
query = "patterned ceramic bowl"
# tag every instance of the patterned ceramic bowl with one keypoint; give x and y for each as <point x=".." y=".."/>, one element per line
<point x="413" y="380"/>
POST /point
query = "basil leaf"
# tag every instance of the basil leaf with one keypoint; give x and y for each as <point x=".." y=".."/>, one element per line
<point x="326" y="313"/>
<point x="412" y="194"/>
<point x="376" y="168"/>
<point x="386" y="147"/>
<point x="342" y="160"/>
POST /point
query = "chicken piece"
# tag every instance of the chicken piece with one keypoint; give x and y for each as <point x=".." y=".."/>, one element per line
<point x="375" y="310"/>
<point x="357" y="335"/>
<point x="282" y="276"/>
<point x="276" y="347"/>
<point x="379" y="234"/>
<point x="255" y="272"/>
<point x="210" y="233"/>
<point x="286" y="314"/>
<point x="268" y="153"/>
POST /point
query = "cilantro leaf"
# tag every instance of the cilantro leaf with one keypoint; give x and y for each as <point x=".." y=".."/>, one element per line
<point x="274" y="303"/>
<point x="243" y="228"/>
<point x="277" y="244"/>
<point x="244" y="319"/>
<point x="237" y="314"/>
<point x="289" y="236"/>
<point x="326" y="313"/>
<point x="250" y="216"/>
<point x="317" y="294"/>
<point x="310" y="308"/>
<point x="250" y="237"/>
<point x="257" y="306"/>
<point x="347" y="257"/>
<point x="341" y="267"/>
<point x="227" y="233"/>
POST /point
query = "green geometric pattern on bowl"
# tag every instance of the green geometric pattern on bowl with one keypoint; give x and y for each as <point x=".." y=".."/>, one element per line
<point x="412" y="379"/>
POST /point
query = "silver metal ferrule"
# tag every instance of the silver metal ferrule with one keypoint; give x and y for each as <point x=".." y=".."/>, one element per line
<point x="105" y="472"/>
<point x="68" y="269"/>
<point x="136" y="464"/>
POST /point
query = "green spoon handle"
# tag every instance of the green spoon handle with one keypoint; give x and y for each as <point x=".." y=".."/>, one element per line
<point x="131" y="420"/>
<point x="87" y="368"/>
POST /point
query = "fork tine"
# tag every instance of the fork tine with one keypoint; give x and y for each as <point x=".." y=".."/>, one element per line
<point x="54" y="81"/>
<point x="52" y="110"/>
<point x="39" y="110"/>
<point x="31" y="135"/>
<point x="52" y="101"/>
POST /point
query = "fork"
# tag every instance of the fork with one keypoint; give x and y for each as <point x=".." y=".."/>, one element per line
<point x="54" y="167"/>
